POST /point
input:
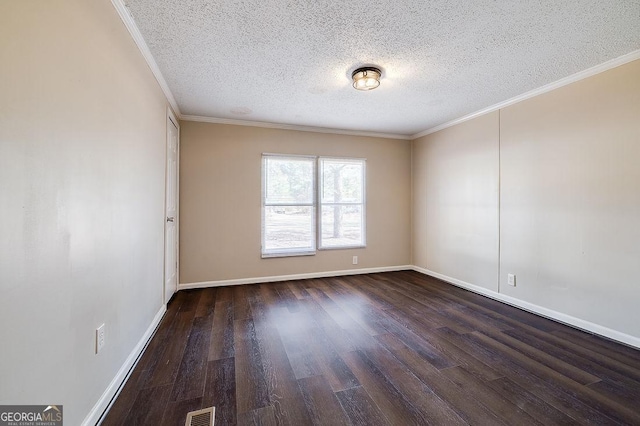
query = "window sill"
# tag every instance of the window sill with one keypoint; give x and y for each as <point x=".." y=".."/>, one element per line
<point x="288" y="254"/>
<point x="343" y="247"/>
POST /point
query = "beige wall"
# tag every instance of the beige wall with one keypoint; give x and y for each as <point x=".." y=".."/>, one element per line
<point x="570" y="197"/>
<point x="456" y="201"/>
<point x="220" y="201"/>
<point x="569" y="200"/>
<point x="82" y="146"/>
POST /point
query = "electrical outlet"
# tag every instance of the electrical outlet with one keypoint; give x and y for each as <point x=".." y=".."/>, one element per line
<point x="100" y="338"/>
<point x="355" y="260"/>
<point x="511" y="279"/>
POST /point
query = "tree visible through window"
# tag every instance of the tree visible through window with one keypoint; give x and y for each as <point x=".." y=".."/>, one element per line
<point x="341" y="202"/>
<point x="289" y="223"/>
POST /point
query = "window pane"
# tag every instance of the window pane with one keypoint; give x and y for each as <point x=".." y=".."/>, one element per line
<point x="342" y="226"/>
<point x="288" y="180"/>
<point x="341" y="180"/>
<point x="288" y="228"/>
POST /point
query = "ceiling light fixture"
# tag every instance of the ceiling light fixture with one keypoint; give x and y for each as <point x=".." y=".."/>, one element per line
<point x="366" y="78"/>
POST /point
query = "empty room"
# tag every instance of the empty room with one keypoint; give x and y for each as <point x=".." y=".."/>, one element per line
<point x="319" y="213"/>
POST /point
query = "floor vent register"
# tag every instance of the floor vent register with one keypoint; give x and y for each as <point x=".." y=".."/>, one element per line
<point x="202" y="417"/>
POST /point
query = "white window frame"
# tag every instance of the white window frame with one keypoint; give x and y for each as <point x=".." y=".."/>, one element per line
<point x="362" y="204"/>
<point x="314" y="221"/>
<point x="316" y="206"/>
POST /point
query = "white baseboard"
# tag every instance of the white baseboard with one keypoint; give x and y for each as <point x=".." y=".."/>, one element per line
<point x="114" y="388"/>
<point x="258" y="280"/>
<point x="538" y="310"/>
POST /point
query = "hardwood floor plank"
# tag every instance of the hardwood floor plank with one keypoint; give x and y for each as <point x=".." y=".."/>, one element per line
<point x="224" y="294"/>
<point x="453" y="399"/>
<point x="475" y="320"/>
<point x="241" y="308"/>
<point x="360" y="408"/>
<point x="418" y="310"/>
<point x="382" y="392"/>
<point x="206" y="303"/>
<point x="120" y="408"/>
<point x="353" y="308"/>
<point x="156" y="346"/>
<point x="298" y="289"/>
<point x="337" y="335"/>
<point x="355" y="285"/>
<point x="220" y="390"/>
<point x="605" y="361"/>
<point x="295" y="330"/>
<point x="189" y="383"/>
<point x="439" y="355"/>
<point x="599" y="345"/>
<point x="283" y="390"/>
<point x="432" y="408"/>
<point x="535" y="326"/>
<point x="191" y="300"/>
<point x="162" y="357"/>
<point x="570" y="357"/>
<point x="149" y="406"/>
<point x="386" y="348"/>
<point x="322" y="404"/>
<point x="622" y="384"/>
<point x="267" y="295"/>
<point x="549" y="391"/>
<point x="468" y="298"/>
<point x="335" y="322"/>
<point x="406" y="354"/>
<point x="222" y="344"/>
<point x="251" y="387"/>
<point x="569" y="370"/>
<point x="325" y="354"/>
<point x="525" y="327"/>
<point x="469" y="409"/>
<point x="501" y="407"/>
<point x="203" y="324"/>
<point x="616" y="392"/>
<point x="166" y="368"/>
<point x="414" y="340"/>
<point x="260" y="417"/>
<point x="309" y="350"/>
<point x="440" y="352"/>
<point x="288" y="297"/>
<point x="605" y="406"/>
<point x="175" y="413"/>
<point x="420" y="294"/>
<point x="529" y="403"/>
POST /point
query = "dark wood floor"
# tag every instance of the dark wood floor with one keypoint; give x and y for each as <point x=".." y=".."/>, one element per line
<point x="396" y="348"/>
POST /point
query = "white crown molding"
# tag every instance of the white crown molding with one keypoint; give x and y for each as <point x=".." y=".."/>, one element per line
<point x="109" y="396"/>
<point x="275" y="278"/>
<point x="128" y="21"/>
<point x="267" y="125"/>
<point x="589" y="72"/>
<point x="538" y="310"/>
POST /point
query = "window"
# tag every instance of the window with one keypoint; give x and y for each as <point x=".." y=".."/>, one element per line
<point x="288" y="206"/>
<point x="341" y="203"/>
<point x="289" y="203"/>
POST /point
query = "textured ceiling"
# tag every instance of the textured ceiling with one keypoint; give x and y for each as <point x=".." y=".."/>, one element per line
<point x="290" y="61"/>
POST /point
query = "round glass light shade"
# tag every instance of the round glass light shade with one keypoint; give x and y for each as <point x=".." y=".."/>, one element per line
<point x="366" y="78"/>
